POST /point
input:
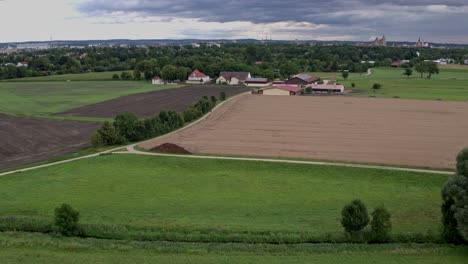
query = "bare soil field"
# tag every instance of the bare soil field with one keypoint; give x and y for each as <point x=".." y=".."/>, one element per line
<point x="148" y="104"/>
<point x="29" y="140"/>
<point x="364" y="130"/>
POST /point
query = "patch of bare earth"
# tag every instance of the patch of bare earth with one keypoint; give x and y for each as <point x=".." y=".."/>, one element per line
<point x="170" y="148"/>
<point x="364" y="130"/>
<point x="29" y="140"/>
<point x="151" y="103"/>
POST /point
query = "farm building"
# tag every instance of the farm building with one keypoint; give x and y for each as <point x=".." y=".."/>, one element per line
<point x="197" y="77"/>
<point x="157" y="80"/>
<point x="257" y="82"/>
<point x="327" y="88"/>
<point x="233" y="78"/>
<point x="466" y="62"/>
<point x="302" y="79"/>
<point x="278" y="83"/>
<point x="399" y="64"/>
<point x="288" y="90"/>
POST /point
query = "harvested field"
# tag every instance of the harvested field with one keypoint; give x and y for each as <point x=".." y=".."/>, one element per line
<point x="148" y="104"/>
<point x="364" y="130"/>
<point x="28" y="140"/>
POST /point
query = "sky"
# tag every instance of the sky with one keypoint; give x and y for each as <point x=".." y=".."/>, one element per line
<point x="353" y="20"/>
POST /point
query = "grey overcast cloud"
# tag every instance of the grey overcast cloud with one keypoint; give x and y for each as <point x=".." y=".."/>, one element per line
<point x="356" y="20"/>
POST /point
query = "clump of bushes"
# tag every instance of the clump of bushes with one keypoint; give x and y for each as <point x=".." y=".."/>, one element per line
<point x="355" y="218"/>
<point x="129" y="128"/>
<point x="66" y="220"/>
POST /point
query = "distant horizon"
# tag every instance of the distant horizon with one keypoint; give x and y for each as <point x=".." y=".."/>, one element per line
<point x="224" y="39"/>
<point x="434" y="21"/>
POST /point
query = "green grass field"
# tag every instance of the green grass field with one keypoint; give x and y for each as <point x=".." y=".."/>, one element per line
<point x="45" y="98"/>
<point x="38" y="248"/>
<point x="90" y="76"/>
<point x="450" y="85"/>
<point x="144" y="192"/>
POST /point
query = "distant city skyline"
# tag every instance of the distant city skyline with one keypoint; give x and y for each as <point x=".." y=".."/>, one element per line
<point x="339" y="20"/>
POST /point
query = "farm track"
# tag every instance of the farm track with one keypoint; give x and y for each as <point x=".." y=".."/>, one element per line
<point x="131" y="150"/>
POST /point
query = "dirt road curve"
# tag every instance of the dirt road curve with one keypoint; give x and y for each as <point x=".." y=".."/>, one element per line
<point x="29" y="140"/>
<point x="363" y="130"/>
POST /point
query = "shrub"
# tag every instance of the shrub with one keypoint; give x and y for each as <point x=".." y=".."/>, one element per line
<point x="96" y="140"/>
<point x="192" y="114"/>
<point x="129" y="127"/>
<point x="108" y="135"/>
<point x="222" y="96"/>
<point x="308" y="90"/>
<point x="353" y="85"/>
<point x="115" y="76"/>
<point x="213" y="99"/>
<point x="66" y="220"/>
<point x="354" y="216"/>
<point x="381" y="224"/>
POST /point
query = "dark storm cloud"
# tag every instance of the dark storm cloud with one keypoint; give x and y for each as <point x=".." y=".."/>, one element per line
<point x="372" y="16"/>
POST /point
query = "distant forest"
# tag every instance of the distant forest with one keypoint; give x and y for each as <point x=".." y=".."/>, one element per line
<point x="175" y="62"/>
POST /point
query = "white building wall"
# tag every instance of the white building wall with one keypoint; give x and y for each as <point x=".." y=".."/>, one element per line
<point x="275" y="91"/>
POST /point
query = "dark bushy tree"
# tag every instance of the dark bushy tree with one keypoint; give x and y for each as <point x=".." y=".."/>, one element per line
<point x="455" y="202"/>
<point x="129" y="126"/>
<point x="381" y="224"/>
<point x="66" y="220"/>
<point x="354" y="216"/>
<point x="222" y="96"/>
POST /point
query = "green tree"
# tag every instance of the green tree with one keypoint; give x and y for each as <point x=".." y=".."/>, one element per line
<point x="381" y="224"/>
<point x="421" y="67"/>
<point x="354" y="216"/>
<point x="345" y="75"/>
<point x="66" y="220"/>
<point x="408" y="72"/>
<point x="353" y="85"/>
<point x="455" y="202"/>
<point x="222" y="96"/>
<point x="289" y="68"/>
<point x="129" y="126"/>
<point x="115" y="76"/>
<point x="107" y="135"/>
<point x="376" y="86"/>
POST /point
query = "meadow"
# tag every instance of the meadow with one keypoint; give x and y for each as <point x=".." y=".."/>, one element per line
<point x="42" y="99"/>
<point x="39" y="248"/>
<point x="148" y="194"/>
<point x="451" y="84"/>
<point x="89" y="76"/>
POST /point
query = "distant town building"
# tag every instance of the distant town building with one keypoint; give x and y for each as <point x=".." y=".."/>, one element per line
<point x="380" y="42"/>
<point x="422" y="44"/>
<point x="22" y="64"/>
<point x="233" y="78"/>
<point x="399" y="63"/>
<point x="466" y="62"/>
<point x="444" y="61"/>
<point x="33" y="46"/>
<point x="198" y="77"/>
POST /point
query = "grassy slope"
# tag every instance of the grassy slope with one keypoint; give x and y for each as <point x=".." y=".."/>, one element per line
<point x="46" y="98"/>
<point x="237" y="195"/>
<point x="38" y="248"/>
<point x="90" y="76"/>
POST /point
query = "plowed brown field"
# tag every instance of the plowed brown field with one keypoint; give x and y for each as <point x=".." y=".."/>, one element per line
<point x="364" y="130"/>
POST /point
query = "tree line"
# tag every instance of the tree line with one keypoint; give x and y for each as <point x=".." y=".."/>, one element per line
<point x="174" y="62"/>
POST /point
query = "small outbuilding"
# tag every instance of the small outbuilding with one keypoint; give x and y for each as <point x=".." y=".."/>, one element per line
<point x="257" y="82"/>
<point x="302" y="79"/>
<point x="288" y="90"/>
<point x="233" y="78"/>
<point x="327" y="88"/>
<point x="156" y="80"/>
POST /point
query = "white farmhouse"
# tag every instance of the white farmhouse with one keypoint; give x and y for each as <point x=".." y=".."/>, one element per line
<point x="197" y="77"/>
<point x="233" y="78"/>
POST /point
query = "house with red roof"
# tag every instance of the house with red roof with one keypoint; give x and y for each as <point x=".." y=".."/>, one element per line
<point x="288" y="90"/>
<point x="197" y="77"/>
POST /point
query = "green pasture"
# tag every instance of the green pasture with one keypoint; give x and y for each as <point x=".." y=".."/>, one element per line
<point x="89" y="76"/>
<point x="167" y="192"/>
<point x="43" y="99"/>
<point x="43" y="249"/>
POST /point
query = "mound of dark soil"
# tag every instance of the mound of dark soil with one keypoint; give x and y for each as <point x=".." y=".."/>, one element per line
<point x="170" y="148"/>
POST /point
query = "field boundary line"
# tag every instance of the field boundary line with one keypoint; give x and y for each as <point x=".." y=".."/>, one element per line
<point x="304" y="162"/>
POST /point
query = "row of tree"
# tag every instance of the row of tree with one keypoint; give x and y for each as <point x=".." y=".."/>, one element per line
<point x="277" y="59"/>
<point x="129" y="128"/>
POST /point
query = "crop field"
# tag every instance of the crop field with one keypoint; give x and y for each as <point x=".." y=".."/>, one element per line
<point x="90" y="76"/>
<point x="47" y="98"/>
<point x="186" y="195"/>
<point x="28" y="140"/>
<point x="365" y="130"/>
<point x="44" y="249"/>
<point x="148" y="104"/>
